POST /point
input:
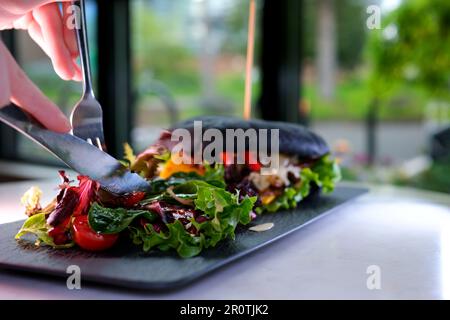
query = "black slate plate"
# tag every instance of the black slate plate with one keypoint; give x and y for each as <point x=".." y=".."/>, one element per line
<point x="126" y="266"/>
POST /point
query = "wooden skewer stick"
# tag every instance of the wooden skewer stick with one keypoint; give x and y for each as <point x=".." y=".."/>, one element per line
<point x="249" y="62"/>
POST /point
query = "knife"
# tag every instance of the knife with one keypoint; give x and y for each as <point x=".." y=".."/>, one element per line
<point x="79" y="155"/>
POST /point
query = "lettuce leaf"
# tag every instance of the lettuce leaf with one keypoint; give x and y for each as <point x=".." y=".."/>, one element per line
<point x="325" y="173"/>
<point x="37" y="225"/>
<point x="328" y="172"/>
<point x="224" y="223"/>
<point x="175" y="238"/>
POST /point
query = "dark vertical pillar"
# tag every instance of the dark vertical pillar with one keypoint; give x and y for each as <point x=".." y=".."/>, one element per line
<point x="8" y="137"/>
<point x="114" y="72"/>
<point x="280" y="60"/>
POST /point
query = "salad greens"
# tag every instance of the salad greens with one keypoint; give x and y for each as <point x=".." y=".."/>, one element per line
<point x="186" y="212"/>
<point x="214" y="175"/>
<point x="110" y="221"/>
<point x="221" y="210"/>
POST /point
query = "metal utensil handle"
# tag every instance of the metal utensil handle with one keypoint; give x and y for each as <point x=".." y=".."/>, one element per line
<point x="25" y="124"/>
<point x="18" y="119"/>
<point x="83" y="47"/>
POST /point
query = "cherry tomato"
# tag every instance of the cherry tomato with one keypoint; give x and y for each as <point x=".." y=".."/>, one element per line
<point x="254" y="166"/>
<point x="252" y="161"/>
<point x="133" y="198"/>
<point x="227" y="158"/>
<point x="88" y="239"/>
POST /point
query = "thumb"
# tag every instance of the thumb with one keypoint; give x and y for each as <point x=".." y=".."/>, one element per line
<point x="26" y="95"/>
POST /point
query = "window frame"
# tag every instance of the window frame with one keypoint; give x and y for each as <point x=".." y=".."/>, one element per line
<point x="8" y="136"/>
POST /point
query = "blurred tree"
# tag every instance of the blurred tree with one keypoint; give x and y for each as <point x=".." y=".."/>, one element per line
<point x="159" y="50"/>
<point x="326" y="47"/>
<point x="236" y="26"/>
<point x="350" y="16"/>
<point x="350" y="29"/>
<point x="413" y="46"/>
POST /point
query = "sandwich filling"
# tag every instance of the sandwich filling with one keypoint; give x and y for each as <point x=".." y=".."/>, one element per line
<point x="293" y="180"/>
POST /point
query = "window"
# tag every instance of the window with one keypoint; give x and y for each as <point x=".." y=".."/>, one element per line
<point x="378" y="95"/>
<point x="188" y="59"/>
<point x="375" y="100"/>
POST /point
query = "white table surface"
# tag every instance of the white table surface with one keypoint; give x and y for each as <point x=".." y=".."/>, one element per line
<point x="405" y="232"/>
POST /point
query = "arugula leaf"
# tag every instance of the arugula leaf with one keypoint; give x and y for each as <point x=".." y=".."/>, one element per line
<point x="109" y="221"/>
<point x="37" y="225"/>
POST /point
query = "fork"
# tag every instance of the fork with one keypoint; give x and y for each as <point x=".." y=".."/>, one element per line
<point x="87" y="115"/>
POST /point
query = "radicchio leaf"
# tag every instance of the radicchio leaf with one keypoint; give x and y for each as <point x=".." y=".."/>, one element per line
<point x="87" y="191"/>
<point x="64" y="208"/>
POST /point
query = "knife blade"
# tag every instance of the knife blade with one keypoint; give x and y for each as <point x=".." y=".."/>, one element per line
<point x="79" y="155"/>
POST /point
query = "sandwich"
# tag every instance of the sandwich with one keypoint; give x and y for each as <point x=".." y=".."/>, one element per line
<point x="201" y="188"/>
<point x="304" y="165"/>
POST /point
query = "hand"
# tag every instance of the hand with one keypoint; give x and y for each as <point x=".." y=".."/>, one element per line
<point x="16" y="87"/>
<point x="46" y="25"/>
<point x="48" y="28"/>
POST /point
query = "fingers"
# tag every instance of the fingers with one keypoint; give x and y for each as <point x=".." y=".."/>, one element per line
<point x="78" y="73"/>
<point x="25" y="94"/>
<point x="47" y="27"/>
<point x="50" y="20"/>
<point x="23" y="22"/>
<point x="20" y="7"/>
<point x="35" y="32"/>
<point x="12" y="10"/>
<point x="71" y="40"/>
<point x="69" y="33"/>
